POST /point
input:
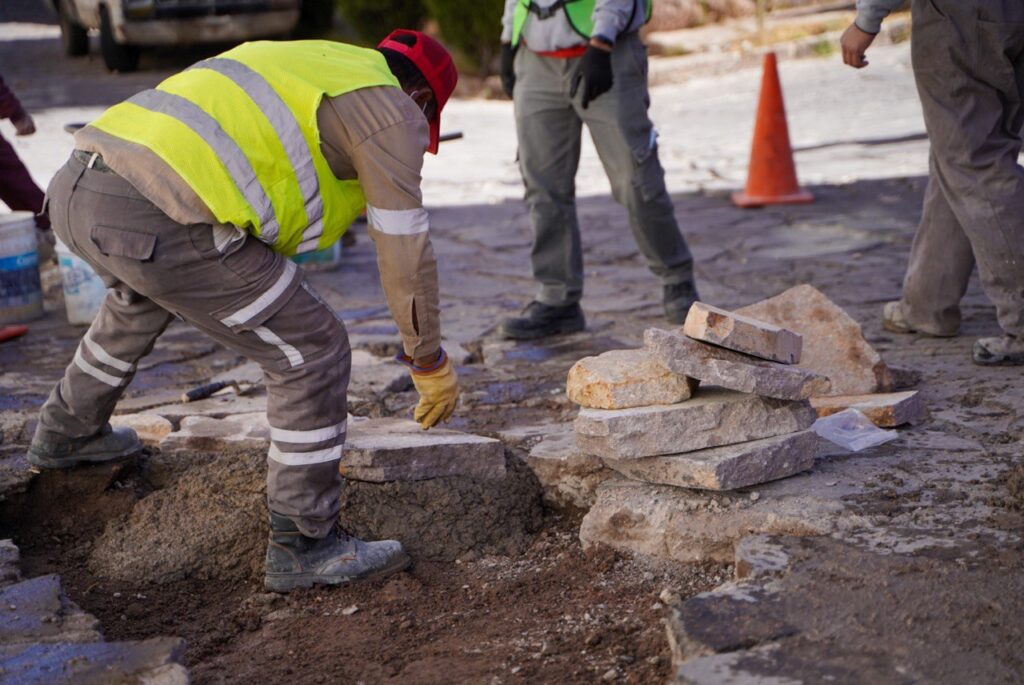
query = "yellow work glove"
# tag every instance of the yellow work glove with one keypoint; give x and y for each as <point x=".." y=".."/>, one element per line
<point x="438" y="387"/>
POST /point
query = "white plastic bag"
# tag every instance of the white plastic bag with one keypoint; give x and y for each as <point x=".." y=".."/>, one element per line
<point x="852" y="430"/>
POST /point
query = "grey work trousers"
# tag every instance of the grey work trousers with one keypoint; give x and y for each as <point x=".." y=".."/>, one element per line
<point x="549" y="125"/>
<point x="968" y="58"/>
<point x="250" y="299"/>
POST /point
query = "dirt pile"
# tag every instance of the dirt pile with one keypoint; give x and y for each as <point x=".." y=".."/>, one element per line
<point x="207" y="520"/>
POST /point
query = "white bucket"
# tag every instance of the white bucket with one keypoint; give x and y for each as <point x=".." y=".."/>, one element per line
<point x="21" y="297"/>
<point x="83" y="289"/>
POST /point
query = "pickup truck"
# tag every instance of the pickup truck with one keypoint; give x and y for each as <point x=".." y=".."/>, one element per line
<point x="125" y="26"/>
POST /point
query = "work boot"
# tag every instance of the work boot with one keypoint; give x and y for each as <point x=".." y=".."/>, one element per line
<point x="677" y="299"/>
<point x="540" y="320"/>
<point x="894" y="320"/>
<point x="1006" y="350"/>
<point x="294" y="560"/>
<point x="107" y="445"/>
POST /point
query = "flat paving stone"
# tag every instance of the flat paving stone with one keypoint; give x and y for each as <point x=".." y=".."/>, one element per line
<point x="727" y="467"/>
<point x="733" y="370"/>
<point x="151" y="428"/>
<point x="157" y="661"/>
<point x="886" y="410"/>
<point x="713" y="417"/>
<point x="380" y="450"/>
<point x="233" y="433"/>
<point x="742" y="334"/>
<point x="36" y="610"/>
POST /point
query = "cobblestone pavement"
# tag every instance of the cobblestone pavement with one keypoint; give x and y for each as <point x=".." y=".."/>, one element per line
<point x="929" y="508"/>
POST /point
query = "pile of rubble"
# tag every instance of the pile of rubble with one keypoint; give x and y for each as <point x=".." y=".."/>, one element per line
<point x="724" y="403"/>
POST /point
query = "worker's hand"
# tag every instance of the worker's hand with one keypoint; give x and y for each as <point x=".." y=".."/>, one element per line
<point x="439" y="392"/>
<point x="508" y="71"/>
<point x="594" y="73"/>
<point x="854" y="44"/>
<point x="24" y="126"/>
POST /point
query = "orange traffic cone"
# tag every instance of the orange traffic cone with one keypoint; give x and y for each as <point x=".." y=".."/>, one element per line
<point x="771" y="179"/>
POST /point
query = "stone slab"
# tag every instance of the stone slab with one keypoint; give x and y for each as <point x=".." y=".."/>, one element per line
<point x="833" y="343"/>
<point x="742" y="334"/>
<point x="217" y="406"/>
<point x="15" y="472"/>
<point x="150" y="662"/>
<point x="36" y="610"/>
<point x="713" y="417"/>
<point x="234" y="433"/>
<point x="886" y="410"/>
<point x="733" y="370"/>
<point x="569" y="477"/>
<point x="380" y="450"/>
<point x="620" y="379"/>
<point x="674" y="524"/>
<point x="727" y="467"/>
<point x="151" y="428"/>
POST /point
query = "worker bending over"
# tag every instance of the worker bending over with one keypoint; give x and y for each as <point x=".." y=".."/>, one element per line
<point x="968" y="58"/>
<point x="188" y="199"/>
<point x="565" y="64"/>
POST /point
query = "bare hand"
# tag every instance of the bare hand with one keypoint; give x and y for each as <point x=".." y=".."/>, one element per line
<point x="24" y="126"/>
<point x="854" y="44"/>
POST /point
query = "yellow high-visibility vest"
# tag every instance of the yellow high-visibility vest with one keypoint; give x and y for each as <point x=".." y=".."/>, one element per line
<point x="241" y="129"/>
<point x="579" y="13"/>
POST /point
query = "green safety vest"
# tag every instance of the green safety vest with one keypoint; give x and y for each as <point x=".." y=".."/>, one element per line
<point x="241" y="129"/>
<point x="580" y="14"/>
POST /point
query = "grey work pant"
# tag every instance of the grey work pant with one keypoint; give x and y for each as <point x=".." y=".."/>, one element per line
<point x="968" y="58"/>
<point x="250" y="299"/>
<point x="549" y="125"/>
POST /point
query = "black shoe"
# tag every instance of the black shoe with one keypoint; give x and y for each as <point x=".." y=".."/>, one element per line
<point x="677" y="298"/>
<point x="294" y="560"/>
<point x="107" y="445"/>
<point x="540" y="321"/>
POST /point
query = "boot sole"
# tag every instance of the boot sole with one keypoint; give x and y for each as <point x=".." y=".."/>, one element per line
<point x="537" y="335"/>
<point x="1001" y="360"/>
<point x="286" y="582"/>
<point x="60" y="463"/>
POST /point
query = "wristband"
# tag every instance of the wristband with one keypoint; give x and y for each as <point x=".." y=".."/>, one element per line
<point x="421" y="370"/>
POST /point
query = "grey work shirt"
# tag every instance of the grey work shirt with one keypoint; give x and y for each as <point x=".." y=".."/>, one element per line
<point x="611" y="19"/>
<point x="870" y="13"/>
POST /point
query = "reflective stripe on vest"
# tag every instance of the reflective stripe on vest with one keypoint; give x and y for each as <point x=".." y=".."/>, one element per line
<point x="579" y="14"/>
<point x="241" y="130"/>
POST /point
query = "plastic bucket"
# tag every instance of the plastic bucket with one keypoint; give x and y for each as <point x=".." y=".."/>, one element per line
<point x="21" y="296"/>
<point x="83" y="289"/>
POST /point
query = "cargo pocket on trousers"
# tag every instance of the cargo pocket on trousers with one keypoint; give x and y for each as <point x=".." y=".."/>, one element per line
<point x="117" y="242"/>
<point x="648" y="176"/>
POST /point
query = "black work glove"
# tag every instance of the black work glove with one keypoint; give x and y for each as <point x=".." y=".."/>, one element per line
<point x="508" y="71"/>
<point x="595" y="73"/>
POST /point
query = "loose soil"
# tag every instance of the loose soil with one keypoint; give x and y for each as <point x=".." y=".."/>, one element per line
<point x="552" y="614"/>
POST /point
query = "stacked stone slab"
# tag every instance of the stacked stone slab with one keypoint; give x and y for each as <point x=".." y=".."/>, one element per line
<point x="743" y="421"/>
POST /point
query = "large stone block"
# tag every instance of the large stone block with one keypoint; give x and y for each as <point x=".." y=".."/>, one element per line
<point x="37" y="610"/>
<point x="733" y="370"/>
<point x="569" y="477"/>
<point x="625" y="378"/>
<point x="379" y="450"/>
<point x="713" y="417"/>
<point x="886" y="410"/>
<point x="742" y="334"/>
<point x="728" y="467"/>
<point x="834" y="344"/>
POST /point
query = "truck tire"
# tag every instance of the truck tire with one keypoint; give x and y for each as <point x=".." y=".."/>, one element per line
<point x="73" y="35"/>
<point x="116" y="56"/>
